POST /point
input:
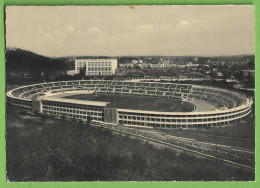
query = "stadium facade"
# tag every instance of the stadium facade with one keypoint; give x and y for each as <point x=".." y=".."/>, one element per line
<point x="230" y="106"/>
<point x="96" y="66"/>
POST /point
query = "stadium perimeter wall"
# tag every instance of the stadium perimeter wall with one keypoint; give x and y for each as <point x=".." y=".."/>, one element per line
<point x="236" y="106"/>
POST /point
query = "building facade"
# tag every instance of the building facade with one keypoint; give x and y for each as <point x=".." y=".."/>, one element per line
<point x="95" y="67"/>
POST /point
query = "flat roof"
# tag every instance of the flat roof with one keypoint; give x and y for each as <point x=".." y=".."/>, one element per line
<point x="74" y="101"/>
<point x="248" y="70"/>
<point x="100" y="59"/>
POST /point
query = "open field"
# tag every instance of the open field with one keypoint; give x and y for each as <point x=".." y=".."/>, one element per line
<point x="48" y="149"/>
<point x="138" y="102"/>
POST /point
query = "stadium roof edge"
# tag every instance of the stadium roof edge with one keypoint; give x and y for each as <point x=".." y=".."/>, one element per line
<point x="74" y="101"/>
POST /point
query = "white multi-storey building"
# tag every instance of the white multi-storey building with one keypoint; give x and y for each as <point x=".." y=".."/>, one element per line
<point x="96" y="66"/>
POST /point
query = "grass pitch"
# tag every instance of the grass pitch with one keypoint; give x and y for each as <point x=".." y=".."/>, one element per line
<point x="138" y="102"/>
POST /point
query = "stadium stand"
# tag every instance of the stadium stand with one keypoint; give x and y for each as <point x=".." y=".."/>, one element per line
<point x="230" y="106"/>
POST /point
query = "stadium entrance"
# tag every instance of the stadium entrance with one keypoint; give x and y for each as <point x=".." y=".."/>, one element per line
<point x="110" y="115"/>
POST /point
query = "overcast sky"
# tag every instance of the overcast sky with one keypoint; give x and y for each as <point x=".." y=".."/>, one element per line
<point x="139" y="30"/>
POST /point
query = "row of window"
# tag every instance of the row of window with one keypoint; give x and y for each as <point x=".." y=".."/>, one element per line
<point x="165" y="125"/>
<point x="123" y="118"/>
<point x="47" y="104"/>
<point x="72" y="111"/>
<point x="83" y="64"/>
<point x="18" y="103"/>
<point x="72" y="115"/>
<point x="99" y="69"/>
<point x="93" y="64"/>
<point x="182" y="116"/>
<point x="99" y="73"/>
<point x="183" y="119"/>
<point x="169" y="120"/>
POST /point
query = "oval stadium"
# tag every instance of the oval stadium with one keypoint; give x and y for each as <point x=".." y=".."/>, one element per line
<point x="145" y="104"/>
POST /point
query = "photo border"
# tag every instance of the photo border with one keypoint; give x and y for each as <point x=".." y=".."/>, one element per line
<point x="5" y="184"/>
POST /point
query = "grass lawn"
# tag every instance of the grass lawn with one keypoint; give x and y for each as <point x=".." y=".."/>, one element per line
<point x="138" y="102"/>
<point x="64" y="150"/>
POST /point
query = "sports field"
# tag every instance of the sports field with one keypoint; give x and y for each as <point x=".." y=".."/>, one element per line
<point x="138" y="102"/>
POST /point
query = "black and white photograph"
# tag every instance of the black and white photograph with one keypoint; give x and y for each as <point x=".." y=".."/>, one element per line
<point x="130" y="93"/>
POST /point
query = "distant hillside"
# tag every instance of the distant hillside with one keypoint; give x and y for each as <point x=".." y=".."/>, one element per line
<point x="21" y="62"/>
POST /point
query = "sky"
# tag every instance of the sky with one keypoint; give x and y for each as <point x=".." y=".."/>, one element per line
<point x="131" y="30"/>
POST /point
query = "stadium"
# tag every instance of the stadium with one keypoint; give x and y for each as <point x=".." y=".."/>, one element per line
<point x="145" y="104"/>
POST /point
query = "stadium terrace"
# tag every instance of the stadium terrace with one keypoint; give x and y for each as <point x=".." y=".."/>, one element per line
<point x="212" y="106"/>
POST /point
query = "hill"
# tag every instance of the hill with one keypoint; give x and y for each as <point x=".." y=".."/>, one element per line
<point x="28" y="67"/>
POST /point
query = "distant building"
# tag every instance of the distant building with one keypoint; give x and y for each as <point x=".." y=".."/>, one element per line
<point x="169" y="65"/>
<point x="72" y="72"/>
<point x="248" y="73"/>
<point x="219" y="74"/>
<point x="144" y="65"/>
<point x="231" y="79"/>
<point x="96" y="66"/>
<point x="157" y="66"/>
<point x="190" y="64"/>
<point x="135" y="61"/>
<point x="126" y="65"/>
<point x="208" y="71"/>
<point x="181" y="66"/>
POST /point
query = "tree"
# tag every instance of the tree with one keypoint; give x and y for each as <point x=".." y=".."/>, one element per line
<point x="27" y="122"/>
<point x="89" y="119"/>
<point x="62" y="120"/>
<point x="239" y="76"/>
<point x="251" y="64"/>
<point x="82" y="72"/>
<point x="43" y="119"/>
